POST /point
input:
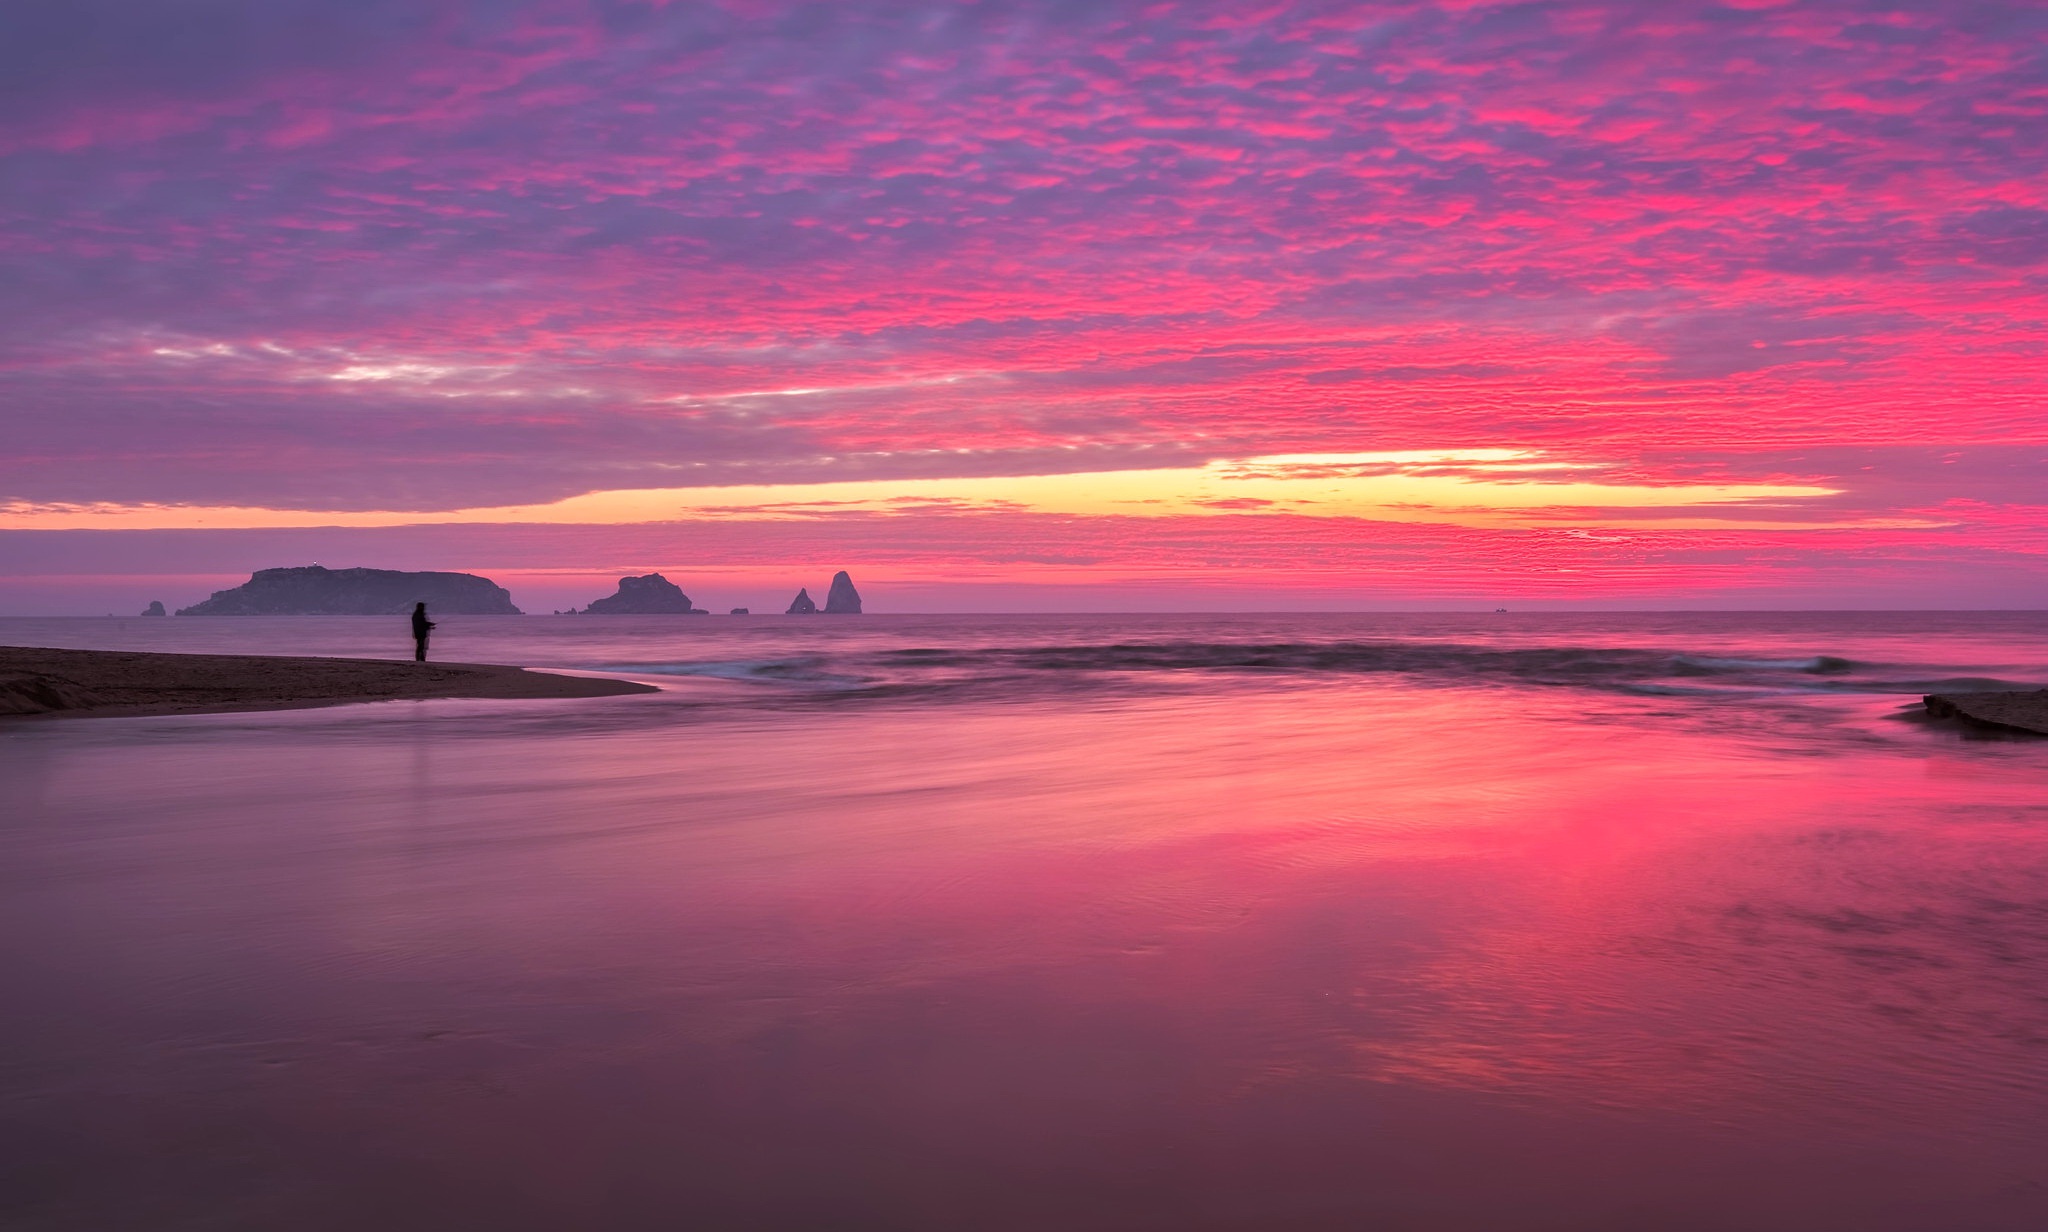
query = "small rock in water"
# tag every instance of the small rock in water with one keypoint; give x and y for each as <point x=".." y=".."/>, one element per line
<point x="802" y="605"/>
<point x="155" y="608"/>
<point x="739" y="611"/>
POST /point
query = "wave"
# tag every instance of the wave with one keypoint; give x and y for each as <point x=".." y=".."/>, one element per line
<point x="1037" y="668"/>
<point x="802" y="670"/>
<point x="1817" y="665"/>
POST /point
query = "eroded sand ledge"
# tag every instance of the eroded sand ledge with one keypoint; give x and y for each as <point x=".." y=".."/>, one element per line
<point x="37" y="682"/>
<point x="2023" y="710"/>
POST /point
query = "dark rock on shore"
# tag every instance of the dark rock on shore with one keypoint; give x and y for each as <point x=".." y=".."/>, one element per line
<point x="650" y="595"/>
<point x="802" y="604"/>
<point x="2024" y="710"/>
<point x="843" y="600"/>
<point x="310" y="590"/>
<point x="36" y="693"/>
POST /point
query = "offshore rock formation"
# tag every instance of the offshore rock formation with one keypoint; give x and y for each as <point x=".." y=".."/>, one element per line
<point x="844" y="599"/>
<point x="651" y="595"/>
<point x="155" y="608"/>
<point x="739" y="611"/>
<point x="309" y="590"/>
<point x="841" y="600"/>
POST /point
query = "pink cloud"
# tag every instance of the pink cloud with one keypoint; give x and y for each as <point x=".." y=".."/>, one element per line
<point x="617" y="245"/>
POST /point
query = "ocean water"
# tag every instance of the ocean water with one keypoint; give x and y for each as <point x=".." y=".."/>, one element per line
<point x="1487" y="921"/>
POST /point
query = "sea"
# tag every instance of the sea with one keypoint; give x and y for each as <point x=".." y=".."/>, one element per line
<point x="1500" y="921"/>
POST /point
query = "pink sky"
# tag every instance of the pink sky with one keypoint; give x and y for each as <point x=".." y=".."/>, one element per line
<point x="1030" y="305"/>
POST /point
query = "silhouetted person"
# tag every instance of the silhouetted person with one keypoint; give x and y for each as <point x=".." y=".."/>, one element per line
<point x="421" y="627"/>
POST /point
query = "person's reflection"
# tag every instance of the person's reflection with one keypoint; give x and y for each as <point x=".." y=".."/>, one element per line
<point x="421" y="627"/>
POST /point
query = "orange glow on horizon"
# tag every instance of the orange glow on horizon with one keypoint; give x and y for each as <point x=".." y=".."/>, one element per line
<point x="1474" y="488"/>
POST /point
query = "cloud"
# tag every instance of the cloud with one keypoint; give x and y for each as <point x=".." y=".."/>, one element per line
<point x="438" y="254"/>
<point x="1715" y="343"/>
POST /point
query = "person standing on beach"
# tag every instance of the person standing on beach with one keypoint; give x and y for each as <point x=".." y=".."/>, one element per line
<point x="421" y="627"/>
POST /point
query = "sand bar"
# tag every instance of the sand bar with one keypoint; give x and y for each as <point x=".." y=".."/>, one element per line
<point x="45" y="683"/>
<point x="2025" y="710"/>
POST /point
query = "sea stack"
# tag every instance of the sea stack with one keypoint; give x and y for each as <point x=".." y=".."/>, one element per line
<point x="843" y="600"/>
<point x="310" y="590"/>
<point x="155" y="608"/>
<point x="650" y="595"/>
<point x="802" y="605"/>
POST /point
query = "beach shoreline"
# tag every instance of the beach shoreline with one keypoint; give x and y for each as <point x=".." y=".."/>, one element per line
<point x="49" y="683"/>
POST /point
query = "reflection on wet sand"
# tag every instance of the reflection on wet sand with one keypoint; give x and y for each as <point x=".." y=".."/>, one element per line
<point x="1256" y="956"/>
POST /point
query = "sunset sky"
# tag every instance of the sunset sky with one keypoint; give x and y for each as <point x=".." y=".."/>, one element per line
<point x="1011" y="306"/>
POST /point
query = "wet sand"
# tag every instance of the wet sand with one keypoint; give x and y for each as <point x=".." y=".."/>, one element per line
<point x="924" y="927"/>
<point x="45" y="683"/>
<point x="1229" y="960"/>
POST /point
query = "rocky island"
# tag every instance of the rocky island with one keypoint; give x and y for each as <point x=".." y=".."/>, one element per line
<point x="648" y="595"/>
<point x="310" y="590"/>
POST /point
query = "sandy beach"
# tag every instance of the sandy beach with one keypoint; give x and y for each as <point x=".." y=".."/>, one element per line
<point x="50" y="683"/>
